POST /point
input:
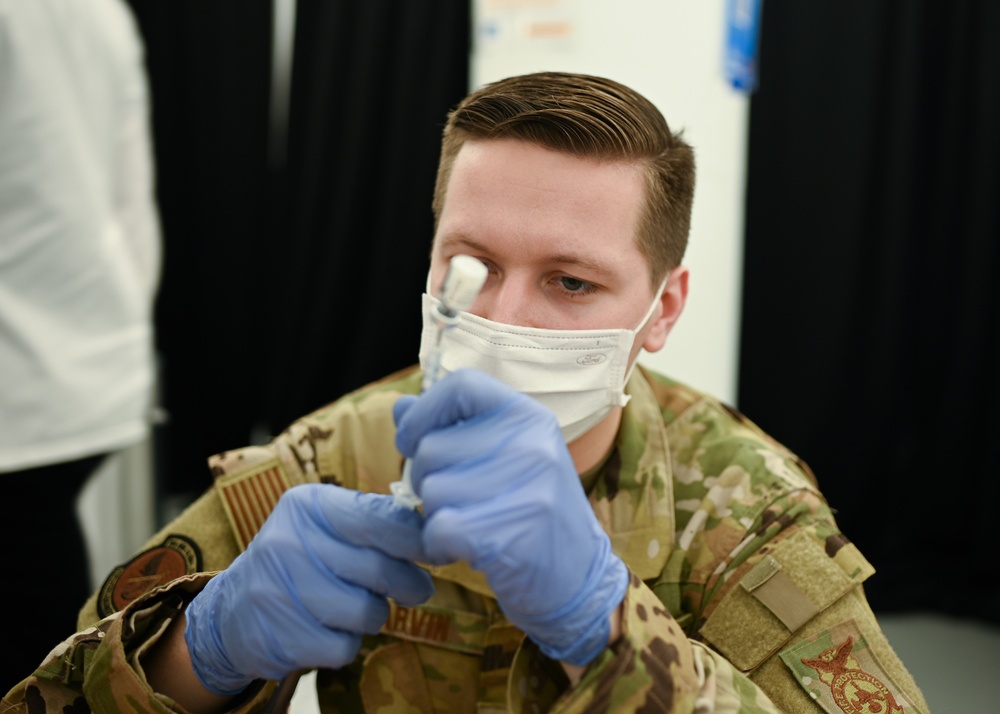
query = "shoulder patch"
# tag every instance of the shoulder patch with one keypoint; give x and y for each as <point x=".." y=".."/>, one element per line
<point x="842" y="675"/>
<point x="175" y="557"/>
<point x="249" y="497"/>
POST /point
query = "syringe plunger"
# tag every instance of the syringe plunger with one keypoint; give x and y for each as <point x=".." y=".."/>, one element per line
<point x="463" y="281"/>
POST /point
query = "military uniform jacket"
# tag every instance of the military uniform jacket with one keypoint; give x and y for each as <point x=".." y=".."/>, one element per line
<point x="744" y="595"/>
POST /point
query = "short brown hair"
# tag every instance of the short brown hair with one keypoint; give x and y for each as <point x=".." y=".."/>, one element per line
<point x="586" y="116"/>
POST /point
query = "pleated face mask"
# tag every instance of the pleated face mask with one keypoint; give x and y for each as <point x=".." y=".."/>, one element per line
<point x="578" y="374"/>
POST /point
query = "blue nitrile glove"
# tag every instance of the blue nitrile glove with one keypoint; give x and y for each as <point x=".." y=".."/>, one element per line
<point x="312" y="581"/>
<point x="500" y="492"/>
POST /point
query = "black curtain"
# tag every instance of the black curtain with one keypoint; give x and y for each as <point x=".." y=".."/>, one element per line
<point x="373" y="82"/>
<point x="209" y="75"/>
<point x="289" y="283"/>
<point x="871" y="322"/>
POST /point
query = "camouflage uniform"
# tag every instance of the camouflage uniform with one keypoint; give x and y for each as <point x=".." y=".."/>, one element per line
<point x="744" y="594"/>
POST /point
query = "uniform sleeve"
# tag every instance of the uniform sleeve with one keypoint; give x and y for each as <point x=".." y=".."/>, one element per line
<point x="790" y="631"/>
<point x="348" y="442"/>
<point x="653" y="667"/>
<point x="200" y="539"/>
<point x="794" y="619"/>
<point x="99" y="668"/>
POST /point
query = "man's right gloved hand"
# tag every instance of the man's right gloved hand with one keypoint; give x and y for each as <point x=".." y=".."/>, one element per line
<point x="310" y="584"/>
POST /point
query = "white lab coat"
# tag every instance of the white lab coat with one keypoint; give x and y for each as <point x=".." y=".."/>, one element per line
<point x="79" y="232"/>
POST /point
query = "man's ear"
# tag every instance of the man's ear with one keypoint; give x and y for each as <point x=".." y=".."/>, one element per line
<point x="672" y="301"/>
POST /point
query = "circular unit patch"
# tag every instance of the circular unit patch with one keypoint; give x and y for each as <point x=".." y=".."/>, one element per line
<point x="176" y="556"/>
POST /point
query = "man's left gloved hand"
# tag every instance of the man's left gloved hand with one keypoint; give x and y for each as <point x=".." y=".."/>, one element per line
<point x="500" y="492"/>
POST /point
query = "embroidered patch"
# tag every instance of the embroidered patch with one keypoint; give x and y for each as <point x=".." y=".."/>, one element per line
<point x="250" y="497"/>
<point x="841" y="673"/>
<point x="176" y="556"/>
<point x="451" y="629"/>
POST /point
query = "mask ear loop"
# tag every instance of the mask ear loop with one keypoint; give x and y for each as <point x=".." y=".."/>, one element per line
<point x="649" y="313"/>
<point x="657" y="296"/>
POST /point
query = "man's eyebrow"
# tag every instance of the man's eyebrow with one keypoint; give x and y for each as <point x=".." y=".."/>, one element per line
<point x="562" y="258"/>
<point x="576" y="260"/>
<point x="461" y="240"/>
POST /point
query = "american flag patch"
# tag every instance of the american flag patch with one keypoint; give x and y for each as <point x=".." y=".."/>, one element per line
<point x="250" y="497"/>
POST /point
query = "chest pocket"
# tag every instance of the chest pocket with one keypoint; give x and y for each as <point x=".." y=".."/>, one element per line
<point x="779" y="595"/>
<point x="440" y="659"/>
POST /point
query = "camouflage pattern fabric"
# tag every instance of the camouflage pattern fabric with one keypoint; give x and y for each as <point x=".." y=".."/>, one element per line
<point x="744" y="594"/>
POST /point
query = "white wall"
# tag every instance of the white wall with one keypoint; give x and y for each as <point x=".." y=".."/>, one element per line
<point x="671" y="51"/>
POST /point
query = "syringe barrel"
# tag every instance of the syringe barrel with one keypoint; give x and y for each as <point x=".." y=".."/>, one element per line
<point x="462" y="282"/>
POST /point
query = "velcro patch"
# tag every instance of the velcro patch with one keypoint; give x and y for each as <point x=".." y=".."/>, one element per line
<point x="841" y="673"/>
<point x="175" y="557"/>
<point x="776" y="591"/>
<point x="250" y="497"/>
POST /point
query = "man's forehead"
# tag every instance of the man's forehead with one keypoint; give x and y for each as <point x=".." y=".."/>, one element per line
<point x="519" y="202"/>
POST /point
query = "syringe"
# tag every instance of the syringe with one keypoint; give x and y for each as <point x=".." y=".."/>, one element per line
<point x="462" y="283"/>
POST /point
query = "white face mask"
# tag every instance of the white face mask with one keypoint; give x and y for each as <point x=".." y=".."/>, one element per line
<point x="578" y="374"/>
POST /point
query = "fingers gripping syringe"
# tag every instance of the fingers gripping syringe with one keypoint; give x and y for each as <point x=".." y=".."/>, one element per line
<point x="462" y="283"/>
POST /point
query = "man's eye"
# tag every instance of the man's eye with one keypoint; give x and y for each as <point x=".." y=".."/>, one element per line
<point x="573" y="285"/>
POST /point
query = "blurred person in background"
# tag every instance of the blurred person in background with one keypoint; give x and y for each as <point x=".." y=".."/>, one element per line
<point x="79" y="270"/>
